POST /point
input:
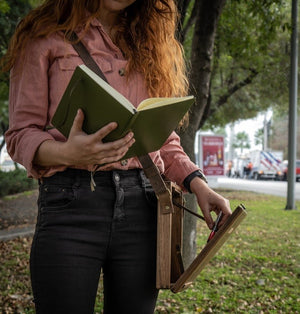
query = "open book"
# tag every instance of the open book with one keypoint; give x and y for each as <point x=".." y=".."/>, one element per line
<point x="170" y="270"/>
<point x="210" y="249"/>
<point x="152" y="122"/>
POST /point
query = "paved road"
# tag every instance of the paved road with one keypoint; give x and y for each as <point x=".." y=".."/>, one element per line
<point x="278" y="188"/>
<point x="9" y="234"/>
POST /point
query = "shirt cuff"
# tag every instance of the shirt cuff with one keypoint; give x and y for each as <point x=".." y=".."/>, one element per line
<point x="190" y="177"/>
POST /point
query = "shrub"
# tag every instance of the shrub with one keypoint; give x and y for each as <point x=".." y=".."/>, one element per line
<point x="15" y="181"/>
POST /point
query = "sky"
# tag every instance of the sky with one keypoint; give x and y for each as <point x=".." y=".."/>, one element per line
<point x="250" y="126"/>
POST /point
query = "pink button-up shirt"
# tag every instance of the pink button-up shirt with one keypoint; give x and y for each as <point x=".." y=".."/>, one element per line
<point x="37" y="83"/>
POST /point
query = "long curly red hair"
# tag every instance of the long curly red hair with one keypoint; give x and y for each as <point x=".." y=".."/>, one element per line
<point x="145" y="33"/>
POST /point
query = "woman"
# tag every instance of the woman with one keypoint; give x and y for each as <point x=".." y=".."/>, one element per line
<point x="80" y="232"/>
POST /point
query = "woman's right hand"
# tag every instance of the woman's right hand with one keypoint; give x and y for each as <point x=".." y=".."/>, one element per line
<point x="89" y="149"/>
<point x="83" y="149"/>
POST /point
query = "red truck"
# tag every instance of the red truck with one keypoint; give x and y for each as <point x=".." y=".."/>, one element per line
<point x="285" y="170"/>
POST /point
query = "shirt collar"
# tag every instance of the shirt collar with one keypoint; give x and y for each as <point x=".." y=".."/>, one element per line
<point x="95" y="22"/>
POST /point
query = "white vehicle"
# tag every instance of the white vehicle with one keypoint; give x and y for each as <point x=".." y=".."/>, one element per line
<point x="7" y="165"/>
<point x="239" y="166"/>
<point x="266" y="165"/>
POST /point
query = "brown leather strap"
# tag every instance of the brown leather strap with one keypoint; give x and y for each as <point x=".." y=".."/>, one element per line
<point x="163" y="194"/>
<point x="151" y="171"/>
<point x="85" y="56"/>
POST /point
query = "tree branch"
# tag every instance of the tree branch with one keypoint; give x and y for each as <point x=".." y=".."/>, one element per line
<point x="224" y="98"/>
<point x="182" y="6"/>
<point x="208" y="13"/>
<point x="190" y="22"/>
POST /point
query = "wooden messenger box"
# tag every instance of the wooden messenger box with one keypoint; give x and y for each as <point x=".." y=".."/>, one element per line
<point x="170" y="272"/>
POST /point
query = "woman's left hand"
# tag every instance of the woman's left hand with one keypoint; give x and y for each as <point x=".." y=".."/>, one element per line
<point x="209" y="201"/>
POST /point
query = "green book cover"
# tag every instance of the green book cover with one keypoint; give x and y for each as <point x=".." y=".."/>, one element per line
<point x="152" y="122"/>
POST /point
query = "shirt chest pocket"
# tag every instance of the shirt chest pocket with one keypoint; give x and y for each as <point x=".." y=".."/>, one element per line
<point x="70" y="63"/>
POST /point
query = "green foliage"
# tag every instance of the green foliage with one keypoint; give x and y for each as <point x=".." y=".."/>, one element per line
<point x="15" y="181"/>
<point x="189" y="33"/>
<point x="252" y="36"/>
<point x="4" y="7"/>
<point x="241" y="141"/>
<point x="220" y="130"/>
<point x="259" y="136"/>
<point x="9" y="18"/>
<point x="35" y="3"/>
<point x="278" y="139"/>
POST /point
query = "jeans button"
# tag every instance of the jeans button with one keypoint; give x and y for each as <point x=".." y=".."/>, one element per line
<point x="117" y="177"/>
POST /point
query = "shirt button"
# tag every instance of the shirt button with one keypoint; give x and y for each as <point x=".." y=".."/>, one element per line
<point x="122" y="72"/>
<point x="124" y="162"/>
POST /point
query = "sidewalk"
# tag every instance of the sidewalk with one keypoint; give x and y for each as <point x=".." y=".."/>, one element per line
<point x="16" y="232"/>
<point x="18" y="215"/>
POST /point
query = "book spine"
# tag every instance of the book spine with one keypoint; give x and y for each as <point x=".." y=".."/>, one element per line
<point x="130" y="124"/>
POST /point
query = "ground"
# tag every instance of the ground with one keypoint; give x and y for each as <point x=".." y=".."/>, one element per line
<point x="18" y="210"/>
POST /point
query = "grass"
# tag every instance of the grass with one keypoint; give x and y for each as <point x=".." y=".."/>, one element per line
<point x="16" y="196"/>
<point x="256" y="271"/>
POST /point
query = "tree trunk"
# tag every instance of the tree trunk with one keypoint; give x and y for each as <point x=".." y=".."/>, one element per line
<point x="207" y="16"/>
<point x="189" y="231"/>
<point x="208" y="13"/>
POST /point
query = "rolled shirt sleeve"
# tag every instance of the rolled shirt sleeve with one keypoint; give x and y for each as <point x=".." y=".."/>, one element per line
<point x="177" y="165"/>
<point x="28" y="107"/>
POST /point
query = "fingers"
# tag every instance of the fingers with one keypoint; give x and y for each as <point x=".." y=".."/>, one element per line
<point x="125" y="141"/>
<point x="99" y="135"/>
<point x="90" y="149"/>
<point x="226" y="210"/>
<point x="114" y="151"/>
<point x="224" y="207"/>
<point x="119" y="144"/>
<point x="208" y="218"/>
<point x="213" y="202"/>
<point x="104" y="131"/>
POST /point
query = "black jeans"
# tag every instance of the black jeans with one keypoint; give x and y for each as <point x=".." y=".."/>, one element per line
<point x="80" y="232"/>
